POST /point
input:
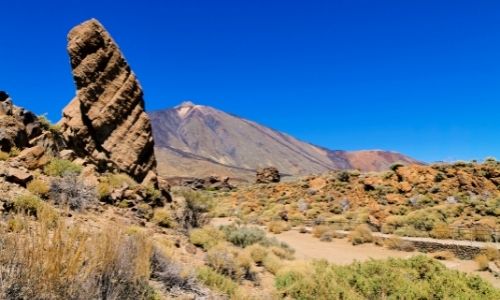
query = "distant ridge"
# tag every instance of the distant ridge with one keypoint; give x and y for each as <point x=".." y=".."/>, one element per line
<point x="195" y="140"/>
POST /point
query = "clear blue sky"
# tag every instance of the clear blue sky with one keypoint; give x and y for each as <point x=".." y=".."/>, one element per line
<point x="420" y="77"/>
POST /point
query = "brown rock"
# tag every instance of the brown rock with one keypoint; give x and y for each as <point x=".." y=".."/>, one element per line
<point x="18" y="125"/>
<point x="19" y="176"/>
<point x="268" y="175"/>
<point x="32" y="158"/>
<point x="106" y="120"/>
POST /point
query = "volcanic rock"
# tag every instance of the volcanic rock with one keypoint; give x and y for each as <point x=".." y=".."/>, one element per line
<point x="268" y="175"/>
<point x="106" y="122"/>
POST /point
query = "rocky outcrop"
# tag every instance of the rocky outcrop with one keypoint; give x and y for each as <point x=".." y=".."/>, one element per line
<point x="106" y="123"/>
<point x="268" y="175"/>
<point x="212" y="183"/>
<point x="19" y="126"/>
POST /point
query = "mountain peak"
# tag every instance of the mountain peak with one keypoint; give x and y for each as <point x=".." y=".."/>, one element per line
<point x="186" y="104"/>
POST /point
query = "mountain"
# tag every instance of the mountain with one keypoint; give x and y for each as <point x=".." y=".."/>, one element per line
<point x="196" y="140"/>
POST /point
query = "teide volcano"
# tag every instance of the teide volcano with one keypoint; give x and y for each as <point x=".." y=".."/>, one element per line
<point x="196" y="140"/>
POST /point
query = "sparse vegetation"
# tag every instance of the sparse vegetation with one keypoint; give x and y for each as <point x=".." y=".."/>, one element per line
<point x="482" y="262"/>
<point x="69" y="190"/>
<point x="38" y="187"/>
<point x="419" y="277"/>
<point x="278" y="227"/>
<point x="43" y="261"/>
<point x="206" y="237"/>
<point x="61" y="167"/>
<point x="163" y="218"/>
<point x="361" y="234"/>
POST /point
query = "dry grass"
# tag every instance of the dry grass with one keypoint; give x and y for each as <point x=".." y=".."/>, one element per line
<point x="278" y="227"/>
<point x="491" y="252"/>
<point x="39" y="187"/>
<point x="482" y="262"/>
<point x="397" y="243"/>
<point x="361" y="234"/>
<point x="163" y="218"/>
<point x="43" y="260"/>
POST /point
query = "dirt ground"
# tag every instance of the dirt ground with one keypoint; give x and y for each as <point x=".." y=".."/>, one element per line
<point x="341" y="252"/>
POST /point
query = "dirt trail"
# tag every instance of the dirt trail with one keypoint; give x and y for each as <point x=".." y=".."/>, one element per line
<point x="341" y="252"/>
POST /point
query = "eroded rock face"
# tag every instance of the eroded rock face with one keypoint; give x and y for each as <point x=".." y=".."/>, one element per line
<point x="106" y="122"/>
<point x="18" y="125"/>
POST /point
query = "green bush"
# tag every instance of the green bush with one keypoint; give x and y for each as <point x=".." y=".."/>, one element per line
<point x="29" y="204"/>
<point x="163" y="218"/>
<point x="219" y="282"/>
<point x="243" y="236"/>
<point x="61" y="167"/>
<point x="206" y="237"/>
<point x="419" y="277"/>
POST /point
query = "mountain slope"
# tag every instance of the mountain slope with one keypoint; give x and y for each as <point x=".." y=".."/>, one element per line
<point x="208" y="141"/>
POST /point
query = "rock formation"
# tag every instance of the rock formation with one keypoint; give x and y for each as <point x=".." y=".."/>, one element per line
<point x="268" y="175"/>
<point x="19" y="126"/>
<point x="106" y="122"/>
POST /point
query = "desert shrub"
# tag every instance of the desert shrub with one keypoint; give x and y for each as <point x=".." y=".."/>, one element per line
<point x="419" y="277"/>
<point x="4" y="156"/>
<point x="272" y="263"/>
<point x="194" y="208"/>
<point x="206" y="237"/>
<point x="442" y="231"/>
<point x="258" y="253"/>
<point x="163" y="218"/>
<point x="278" y="227"/>
<point x="397" y="243"/>
<point x="222" y="259"/>
<point x="491" y="252"/>
<point x="29" y="204"/>
<point x="169" y="273"/>
<point x="144" y="211"/>
<point x="61" y="167"/>
<point x="69" y="190"/>
<point x="282" y="253"/>
<point x="47" y="125"/>
<point x="316" y="280"/>
<point x="443" y="255"/>
<point x="214" y="280"/>
<point x="61" y="261"/>
<point x="243" y="236"/>
<point x="482" y="262"/>
<point x="319" y="230"/>
<point x="361" y="234"/>
<point x="38" y="187"/>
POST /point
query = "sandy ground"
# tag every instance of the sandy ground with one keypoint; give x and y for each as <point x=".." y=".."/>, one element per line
<point x="341" y="252"/>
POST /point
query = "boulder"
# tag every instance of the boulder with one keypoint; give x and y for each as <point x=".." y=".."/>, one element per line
<point x="19" y="176"/>
<point x="106" y="121"/>
<point x="32" y="158"/>
<point x="268" y="175"/>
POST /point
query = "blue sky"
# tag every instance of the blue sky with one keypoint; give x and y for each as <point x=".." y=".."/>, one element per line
<point x="417" y="77"/>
